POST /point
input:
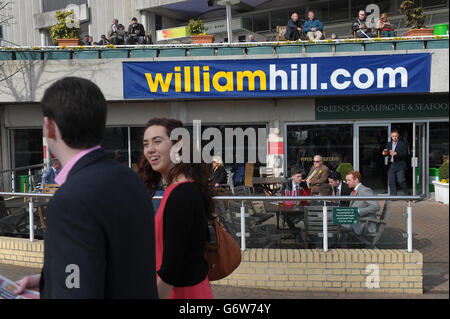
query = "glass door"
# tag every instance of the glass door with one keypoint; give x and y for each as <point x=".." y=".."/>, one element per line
<point x="419" y="159"/>
<point x="370" y="140"/>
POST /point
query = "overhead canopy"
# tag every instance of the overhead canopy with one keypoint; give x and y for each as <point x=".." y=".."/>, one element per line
<point x="195" y="8"/>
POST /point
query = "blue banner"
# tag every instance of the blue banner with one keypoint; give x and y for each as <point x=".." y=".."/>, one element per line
<point x="258" y="78"/>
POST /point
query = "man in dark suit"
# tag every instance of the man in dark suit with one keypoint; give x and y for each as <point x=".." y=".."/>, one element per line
<point x="296" y="182"/>
<point x="339" y="188"/>
<point x="293" y="28"/>
<point x="99" y="241"/>
<point x="397" y="154"/>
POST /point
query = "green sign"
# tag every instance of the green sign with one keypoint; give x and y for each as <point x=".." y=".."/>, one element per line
<point x="345" y="215"/>
<point x="367" y="107"/>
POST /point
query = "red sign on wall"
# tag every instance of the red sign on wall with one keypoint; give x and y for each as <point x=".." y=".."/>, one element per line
<point x="276" y="148"/>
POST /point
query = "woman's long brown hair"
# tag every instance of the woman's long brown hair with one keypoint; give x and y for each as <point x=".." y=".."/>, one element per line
<point x="198" y="172"/>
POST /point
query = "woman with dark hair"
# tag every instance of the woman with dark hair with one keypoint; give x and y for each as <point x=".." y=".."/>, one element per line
<point x="181" y="223"/>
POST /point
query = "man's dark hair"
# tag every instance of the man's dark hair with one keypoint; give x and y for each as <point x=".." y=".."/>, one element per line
<point x="296" y="170"/>
<point x="395" y="131"/>
<point x="134" y="19"/>
<point x="79" y="109"/>
<point x="335" y="176"/>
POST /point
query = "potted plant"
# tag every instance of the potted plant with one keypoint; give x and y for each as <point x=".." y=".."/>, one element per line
<point x="344" y="169"/>
<point x="441" y="186"/>
<point x="197" y="32"/>
<point x="67" y="30"/>
<point x="414" y="18"/>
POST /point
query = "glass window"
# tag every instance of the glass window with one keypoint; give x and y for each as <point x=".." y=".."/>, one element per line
<point x="137" y="135"/>
<point x="359" y="5"/>
<point x="280" y="18"/>
<point x="115" y="143"/>
<point x="261" y="22"/>
<point x="27" y="146"/>
<point x="338" y="11"/>
<point x="320" y="12"/>
<point x="438" y="143"/>
<point x="333" y="142"/>
<point x="52" y="5"/>
<point x="434" y="3"/>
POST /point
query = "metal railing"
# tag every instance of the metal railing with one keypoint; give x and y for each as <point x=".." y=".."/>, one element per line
<point x="242" y="213"/>
<point x="23" y="168"/>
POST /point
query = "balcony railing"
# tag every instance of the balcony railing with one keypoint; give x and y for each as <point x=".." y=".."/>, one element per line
<point x="275" y="49"/>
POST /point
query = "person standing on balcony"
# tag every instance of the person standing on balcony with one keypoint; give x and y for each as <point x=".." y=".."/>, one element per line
<point x="313" y="27"/>
<point x="293" y="28"/>
<point x="99" y="241"/>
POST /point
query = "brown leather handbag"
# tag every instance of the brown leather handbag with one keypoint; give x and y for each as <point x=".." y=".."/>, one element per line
<point x="223" y="256"/>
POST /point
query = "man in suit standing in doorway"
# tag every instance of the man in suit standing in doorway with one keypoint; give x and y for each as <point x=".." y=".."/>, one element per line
<point x="397" y="154"/>
<point x="100" y="239"/>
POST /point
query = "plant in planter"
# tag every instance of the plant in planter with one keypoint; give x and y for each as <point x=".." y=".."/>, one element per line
<point x="344" y="169"/>
<point x="414" y="18"/>
<point x="441" y="186"/>
<point x="67" y="30"/>
<point x="197" y="32"/>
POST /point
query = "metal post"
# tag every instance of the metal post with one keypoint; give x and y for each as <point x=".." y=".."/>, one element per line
<point x="229" y="30"/>
<point x="29" y="181"/>
<point x="13" y="182"/>
<point x="242" y="227"/>
<point x="325" y="227"/>
<point x="30" y="217"/>
<point x="409" y="221"/>
<point x="129" y="146"/>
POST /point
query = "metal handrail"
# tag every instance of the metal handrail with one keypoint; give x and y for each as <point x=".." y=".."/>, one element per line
<point x="21" y="168"/>
<point x="263" y="198"/>
<point x="235" y="44"/>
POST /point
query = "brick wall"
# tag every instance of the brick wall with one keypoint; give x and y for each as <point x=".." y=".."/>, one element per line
<point x="338" y="270"/>
<point x="21" y="252"/>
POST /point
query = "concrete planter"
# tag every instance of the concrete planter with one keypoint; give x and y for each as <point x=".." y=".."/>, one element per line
<point x="441" y="192"/>
<point x="379" y="46"/>
<point x="6" y="55"/>
<point x="86" y="54"/>
<point x="410" y="45"/>
<point x="230" y="51"/>
<point x="289" y="49"/>
<point x="68" y="42"/>
<point x="209" y="38"/>
<point x="437" y="44"/>
<point x="418" y="32"/>
<point x="115" y="54"/>
<point x="349" y="47"/>
<point x="318" y="48"/>
<point x="28" y="55"/>
<point x="260" y="50"/>
<point x="172" y="52"/>
<point x="57" y="55"/>
<point x="202" y="51"/>
<point x="143" y="53"/>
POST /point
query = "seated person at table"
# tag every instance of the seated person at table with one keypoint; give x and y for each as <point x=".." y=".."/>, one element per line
<point x="385" y="27"/>
<point x="296" y="182"/>
<point x="365" y="208"/>
<point x="48" y="177"/>
<point x="318" y="175"/>
<point x="360" y="28"/>
<point x="339" y="188"/>
<point x="324" y="190"/>
<point x="219" y="175"/>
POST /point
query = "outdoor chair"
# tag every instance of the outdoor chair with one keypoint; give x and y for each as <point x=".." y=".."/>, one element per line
<point x="313" y="222"/>
<point x="371" y="239"/>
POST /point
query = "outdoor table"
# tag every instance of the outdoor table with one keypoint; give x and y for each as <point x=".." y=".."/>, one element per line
<point x="267" y="182"/>
<point x="288" y="214"/>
